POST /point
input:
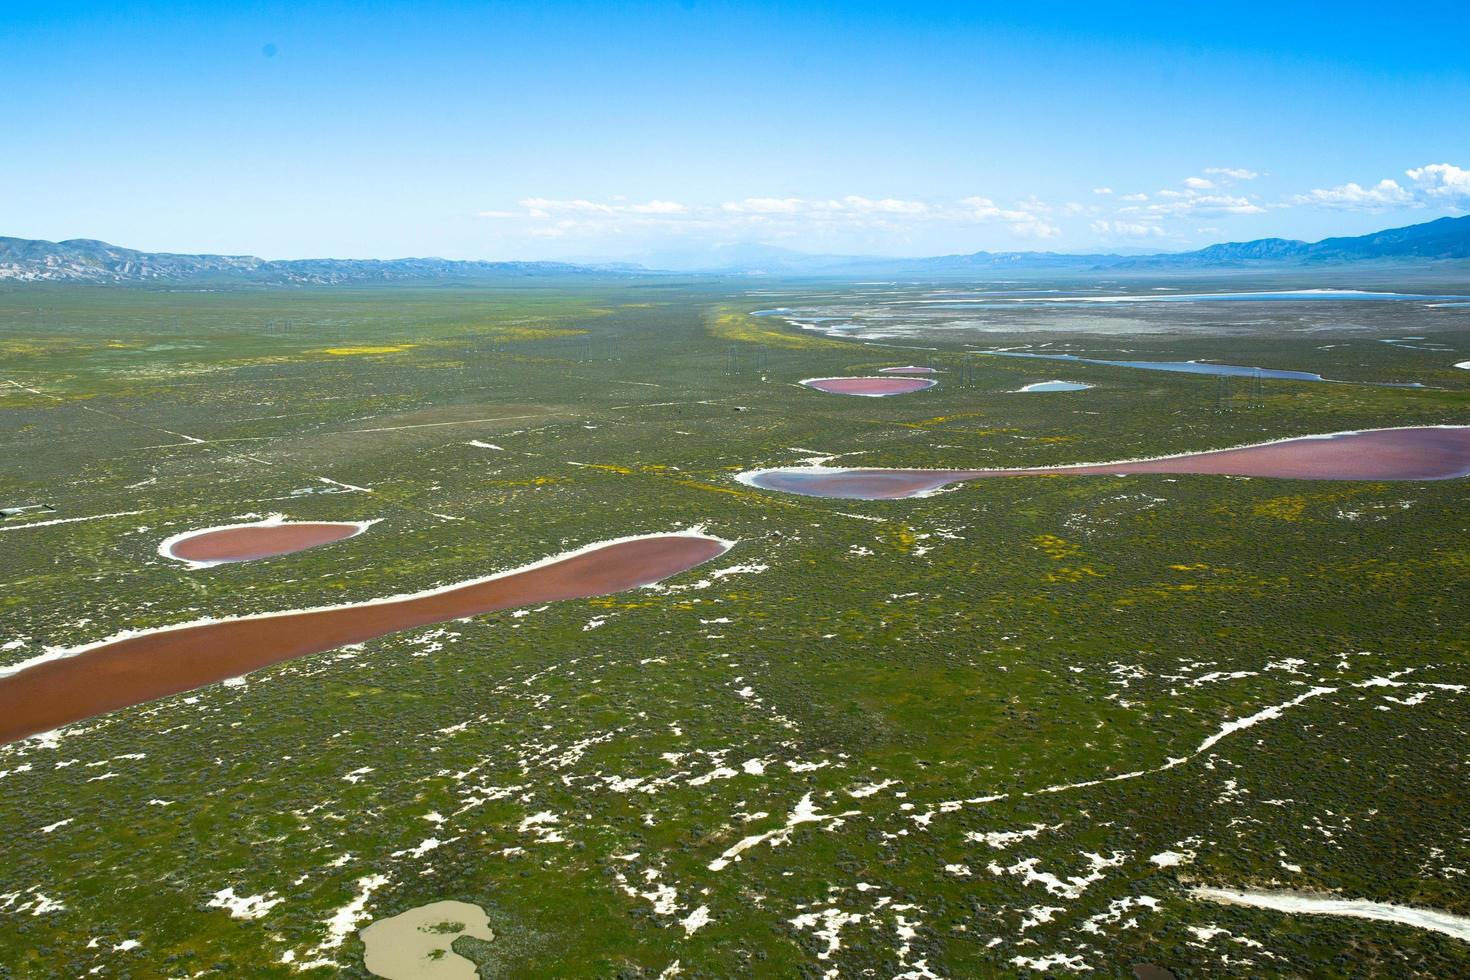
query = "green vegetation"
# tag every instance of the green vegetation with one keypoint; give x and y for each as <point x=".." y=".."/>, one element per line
<point x="952" y="718"/>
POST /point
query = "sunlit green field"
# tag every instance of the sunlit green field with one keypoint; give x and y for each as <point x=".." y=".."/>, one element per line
<point x="965" y="735"/>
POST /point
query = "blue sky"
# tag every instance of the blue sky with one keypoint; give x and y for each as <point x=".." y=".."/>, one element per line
<point x="550" y="130"/>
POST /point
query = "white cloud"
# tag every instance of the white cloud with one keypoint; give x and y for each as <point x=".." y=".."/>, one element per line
<point x="892" y="206"/>
<point x="1134" y="197"/>
<point x="765" y="205"/>
<point x="1434" y="184"/>
<point x="1198" y="183"/>
<point x="1126" y="229"/>
<point x="984" y="209"/>
<point x="751" y="218"/>
<point x="1354" y="197"/>
<point x="1192" y="203"/>
<point x="658" y="207"/>
<point x="1441" y="180"/>
<point x="1102" y="190"/>
<point x="1232" y="173"/>
<point x="852" y="204"/>
<point x="1035" y="229"/>
<point x="545" y="207"/>
<point x="887" y="205"/>
<point x="1023" y="220"/>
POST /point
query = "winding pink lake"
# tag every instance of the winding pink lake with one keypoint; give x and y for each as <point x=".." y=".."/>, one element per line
<point x="1412" y="453"/>
<point x="869" y="387"/>
<point x="128" y="670"/>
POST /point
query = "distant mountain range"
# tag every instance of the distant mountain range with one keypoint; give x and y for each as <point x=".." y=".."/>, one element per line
<point x="1442" y="239"/>
<point x="87" y="260"/>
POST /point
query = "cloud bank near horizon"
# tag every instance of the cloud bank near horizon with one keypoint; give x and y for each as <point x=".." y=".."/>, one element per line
<point x="1167" y="215"/>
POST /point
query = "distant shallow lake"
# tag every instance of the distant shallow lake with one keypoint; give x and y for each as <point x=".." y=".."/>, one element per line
<point x="1053" y="386"/>
<point x="1198" y="367"/>
<point x="1281" y="296"/>
<point x="1180" y="367"/>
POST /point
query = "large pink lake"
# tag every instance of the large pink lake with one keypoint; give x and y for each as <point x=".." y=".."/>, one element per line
<point x="1413" y="453"/>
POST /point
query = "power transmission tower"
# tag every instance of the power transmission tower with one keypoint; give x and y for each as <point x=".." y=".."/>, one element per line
<point x="1223" y="393"/>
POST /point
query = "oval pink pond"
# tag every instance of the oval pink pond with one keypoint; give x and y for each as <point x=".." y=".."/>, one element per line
<point x="246" y="542"/>
<point x="869" y="387"/>
<point x="1414" y="453"/>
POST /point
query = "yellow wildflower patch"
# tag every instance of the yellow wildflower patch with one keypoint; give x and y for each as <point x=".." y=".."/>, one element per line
<point x="539" y="481"/>
<point x="527" y="333"/>
<point x="357" y="351"/>
<point x="696" y="485"/>
<point x="1055" y="548"/>
<point x="1067" y="573"/>
<point x="745" y="329"/>
<point x="901" y="536"/>
<point x="1281" y="508"/>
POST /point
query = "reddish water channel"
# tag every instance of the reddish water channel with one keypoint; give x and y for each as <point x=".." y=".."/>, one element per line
<point x="131" y="670"/>
<point x="1415" y="453"/>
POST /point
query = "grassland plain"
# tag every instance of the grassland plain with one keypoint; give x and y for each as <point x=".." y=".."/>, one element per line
<point x="913" y="738"/>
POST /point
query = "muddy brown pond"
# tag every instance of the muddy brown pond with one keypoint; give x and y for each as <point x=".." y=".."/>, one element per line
<point x="119" y="672"/>
<point x="1413" y="453"/>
